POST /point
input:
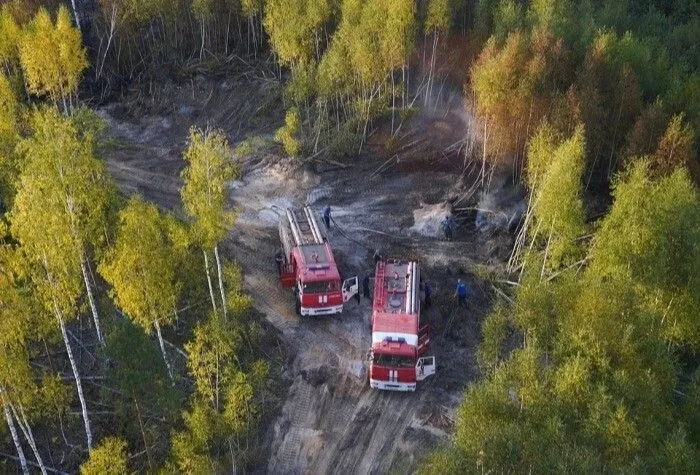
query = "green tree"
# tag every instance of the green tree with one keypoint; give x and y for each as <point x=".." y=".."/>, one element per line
<point x="597" y="389"/>
<point x="141" y="375"/>
<point x="288" y="135"/>
<point x="10" y="109"/>
<point x="209" y="170"/>
<point x="211" y="358"/>
<point x="107" y="458"/>
<point x="65" y="191"/>
<point x="191" y="446"/>
<point x="141" y="268"/>
<point x="58" y="202"/>
<point x="253" y="10"/>
<point x="554" y="173"/>
<point x="609" y="98"/>
<point x="438" y="21"/>
<point x="231" y="386"/>
<point x="9" y="37"/>
<point x="295" y="28"/>
<point x="17" y="386"/>
<point x="652" y="237"/>
<point x="508" y="17"/>
<point x="676" y="147"/>
<point x="203" y="12"/>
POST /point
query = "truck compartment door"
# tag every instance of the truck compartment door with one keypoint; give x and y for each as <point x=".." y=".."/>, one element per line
<point x="350" y="288"/>
<point x="425" y="367"/>
<point x="423" y="340"/>
<point x="287" y="275"/>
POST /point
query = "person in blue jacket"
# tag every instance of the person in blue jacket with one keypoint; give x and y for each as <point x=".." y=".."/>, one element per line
<point x="461" y="292"/>
<point x="448" y="226"/>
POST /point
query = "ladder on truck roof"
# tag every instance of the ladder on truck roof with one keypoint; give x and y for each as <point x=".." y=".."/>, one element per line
<point x="300" y="229"/>
<point x="407" y="283"/>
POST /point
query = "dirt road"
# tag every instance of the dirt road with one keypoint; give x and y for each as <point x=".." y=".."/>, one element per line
<point x="331" y="422"/>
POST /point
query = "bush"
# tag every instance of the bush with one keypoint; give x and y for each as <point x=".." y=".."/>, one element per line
<point x="288" y="134"/>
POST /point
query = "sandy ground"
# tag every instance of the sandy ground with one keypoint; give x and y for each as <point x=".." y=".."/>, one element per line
<point x="330" y="421"/>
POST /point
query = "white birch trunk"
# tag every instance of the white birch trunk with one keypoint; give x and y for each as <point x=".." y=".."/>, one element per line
<point x="221" y="280"/>
<point x="162" y="349"/>
<point x="29" y="435"/>
<point x="77" y="18"/>
<point x="91" y="299"/>
<point x="76" y="375"/>
<point x="15" y="438"/>
<point x="211" y="289"/>
<point x="112" y="24"/>
<point x="393" y="103"/>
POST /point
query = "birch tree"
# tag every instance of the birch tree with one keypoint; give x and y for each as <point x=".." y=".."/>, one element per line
<point x="59" y="194"/>
<point x="9" y="38"/>
<point x="141" y="269"/>
<point x="555" y="176"/>
<point x="209" y="170"/>
<point x="68" y="184"/>
<point x="10" y="110"/>
<point x="438" y="21"/>
<point x="52" y="56"/>
<point x="56" y="277"/>
<point x="139" y="372"/>
<point x="109" y="458"/>
<point x="203" y="12"/>
<point x="15" y="374"/>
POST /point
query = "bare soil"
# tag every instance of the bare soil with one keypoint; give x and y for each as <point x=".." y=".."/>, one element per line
<point x="330" y="421"/>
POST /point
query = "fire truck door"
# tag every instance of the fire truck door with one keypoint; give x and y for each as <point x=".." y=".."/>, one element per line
<point x="425" y="367"/>
<point x="350" y="288"/>
<point x="423" y="339"/>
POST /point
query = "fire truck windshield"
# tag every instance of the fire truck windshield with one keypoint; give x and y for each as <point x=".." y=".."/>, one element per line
<point x="393" y="361"/>
<point x="320" y="287"/>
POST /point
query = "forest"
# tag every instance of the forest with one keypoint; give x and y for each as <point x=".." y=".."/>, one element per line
<point x="128" y="342"/>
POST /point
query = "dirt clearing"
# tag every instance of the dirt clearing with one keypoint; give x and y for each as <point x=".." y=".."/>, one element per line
<point x="330" y="421"/>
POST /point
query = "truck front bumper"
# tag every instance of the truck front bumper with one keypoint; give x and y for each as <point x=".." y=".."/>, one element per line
<point x="389" y="386"/>
<point x="313" y="311"/>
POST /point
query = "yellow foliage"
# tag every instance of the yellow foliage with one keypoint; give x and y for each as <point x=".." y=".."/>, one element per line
<point x="9" y="36"/>
<point x="108" y="458"/>
<point x="52" y="56"/>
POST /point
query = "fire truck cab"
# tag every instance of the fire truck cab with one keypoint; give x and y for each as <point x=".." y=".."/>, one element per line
<point x="309" y="267"/>
<point x="397" y="358"/>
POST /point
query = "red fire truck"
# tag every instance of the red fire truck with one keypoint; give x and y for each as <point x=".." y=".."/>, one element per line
<point x="309" y="267"/>
<point x="398" y="339"/>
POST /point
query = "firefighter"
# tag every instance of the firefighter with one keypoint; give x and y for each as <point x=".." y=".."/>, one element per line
<point x="377" y="257"/>
<point x="279" y="259"/>
<point x="428" y="289"/>
<point x="365" y="286"/>
<point x="448" y="226"/>
<point x="327" y="216"/>
<point x="461" y="293"/>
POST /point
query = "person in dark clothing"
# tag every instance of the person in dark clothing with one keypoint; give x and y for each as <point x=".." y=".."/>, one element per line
<point x="365" y="287"/>
<point x="461" y="293"/>
<point x="279" y="259"/>
<point x="448" y="226"/>
<point x="327" y="216"/>
<point x="428" y="289"/>
<point x="377" y="257"/>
